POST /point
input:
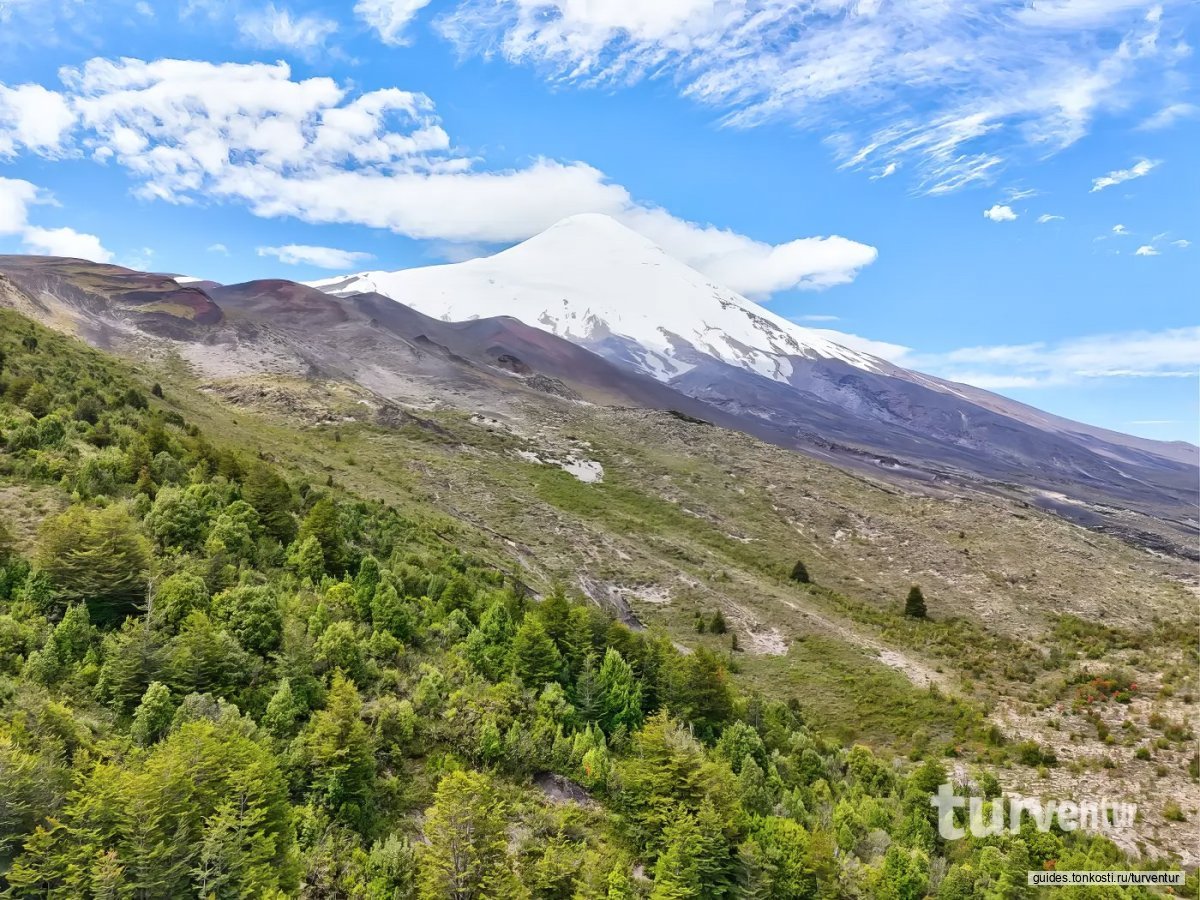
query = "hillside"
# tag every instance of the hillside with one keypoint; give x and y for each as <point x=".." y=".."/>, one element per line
<point x="665" y="521"/>
<point x="595" y="282"/>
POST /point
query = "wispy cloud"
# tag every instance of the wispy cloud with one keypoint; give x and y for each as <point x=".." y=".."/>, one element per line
<point x="321" y="257"/>
<point x="1168" y="116"/>
<point x="275" y="28"/>
<point x="1000" y="213"/>
<point x="886" y="172"/>
<point x="1048" y="217"/>
<point x="1139" y="169"/>
<point x="1145" y="250"/>
<point x="818" y="317"/>
<point x="1119" y="229"/>
<point x="952" y="91"/>
<point x="1171" y="353"/>
<point x="218" y="248"/>
<point x="1182" y="243"/>
<point x="389" y="18"/>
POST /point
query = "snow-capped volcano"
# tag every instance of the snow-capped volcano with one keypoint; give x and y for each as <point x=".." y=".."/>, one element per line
<point x="594" y="281"/>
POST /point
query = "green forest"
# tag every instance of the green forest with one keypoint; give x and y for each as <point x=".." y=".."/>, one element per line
<point x="223" y="677"/>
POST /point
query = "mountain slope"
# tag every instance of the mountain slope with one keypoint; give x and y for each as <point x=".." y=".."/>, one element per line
<point x="589" y="279"/>
<point x="605" y="287"/>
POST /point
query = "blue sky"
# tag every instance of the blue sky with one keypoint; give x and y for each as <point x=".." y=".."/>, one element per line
<point x="1004" y="192"/>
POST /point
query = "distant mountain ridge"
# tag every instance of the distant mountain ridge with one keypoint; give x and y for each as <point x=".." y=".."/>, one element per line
<point x="790" y="386"/>
<point x="598" y="283"/>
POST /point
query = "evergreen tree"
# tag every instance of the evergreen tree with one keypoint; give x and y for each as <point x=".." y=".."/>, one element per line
<point x="252" y="615"/>
<point x="96" y="556"/>
<point x="800" y="573"/>
<point x="677" y="872"/>
<point x="307" y="559"/>
<point x="620" y="694"/>
<point x="535" y="658"/>
<point x="154" y="714"/>
<point x="324" y="524"/>
<point x="914" y="603"/>
<point x="465" y="856"/>
<point x="588" y="696"/>
<point x="338" y="756"/>
<point x="272" y="499"/>
<point x="284" y="711"/>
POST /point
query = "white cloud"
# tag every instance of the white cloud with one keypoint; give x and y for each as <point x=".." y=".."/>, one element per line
<point x="1015" y="194"/>
<point x="33" y="118"/>
<point x="321" y="257"/>
<point x="1182" y="243"/>
<point x="1145" y="250"/>
<point x="274" y="28"/>
<point x="1000" y="213"/>
<point x="217" y="248"/>
<point x="16" y="196"/>
<point x="65" y="242"/>
<point x="389" y="18"/>
<point x="818" y="317"/>
<point x="144" y="9"/>
<point x="195" y="131"/>
<point x="955" y="89"/>
<point x="1119" y="176"/>
<point x="1120" y="230"/>
<point x="886" y="172"/>
<point x="748" y="266"/>
<point x="1172" y="353"/>
<point x="1169" y="115"/>
<point x="1048" y="217"/>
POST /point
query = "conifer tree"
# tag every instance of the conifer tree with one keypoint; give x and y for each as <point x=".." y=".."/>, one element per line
<point x="620" y="694"/>
<point x="535" y="658"/>
<point x="800" y="573"/>
<point x="272" y="500"/>
<point x="154" y="714"/>
<point x="465" y="856"/>
<point x="914" y="603"/>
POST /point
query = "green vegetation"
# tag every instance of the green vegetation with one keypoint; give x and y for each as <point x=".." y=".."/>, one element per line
<point x="914" y="603"/>
<point x="221" y="676"/>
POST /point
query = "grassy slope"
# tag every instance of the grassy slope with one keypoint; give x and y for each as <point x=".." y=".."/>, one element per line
<point x="705" y="519"/>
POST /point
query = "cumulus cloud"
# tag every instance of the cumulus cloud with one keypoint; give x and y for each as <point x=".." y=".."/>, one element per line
<point x="1120" y="230"/>
<point x="16" y="196"/>
<point x="218" y="248"/>
<point x="321" y="257"/>
<point x="190" y="131"/>
<point x="1119" y="176"/>
<point x="65" y="242"/>
<point x="1000" y="213"/>
<point x="33" y="118"/>
<point x="274" y="28"/>
<point x="955" y="89"/>
<point x="1145" y="250"/>
<point x="1171" y="353"/>
<point x="389" y="18"/>
<point x="1048" y="217"/>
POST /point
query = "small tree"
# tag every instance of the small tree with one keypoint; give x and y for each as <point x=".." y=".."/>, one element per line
<point x="154" y="715"/>
<point x="718" y="624"/>
<point x="914" y="603"/>
<point x="800" y="572"/>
